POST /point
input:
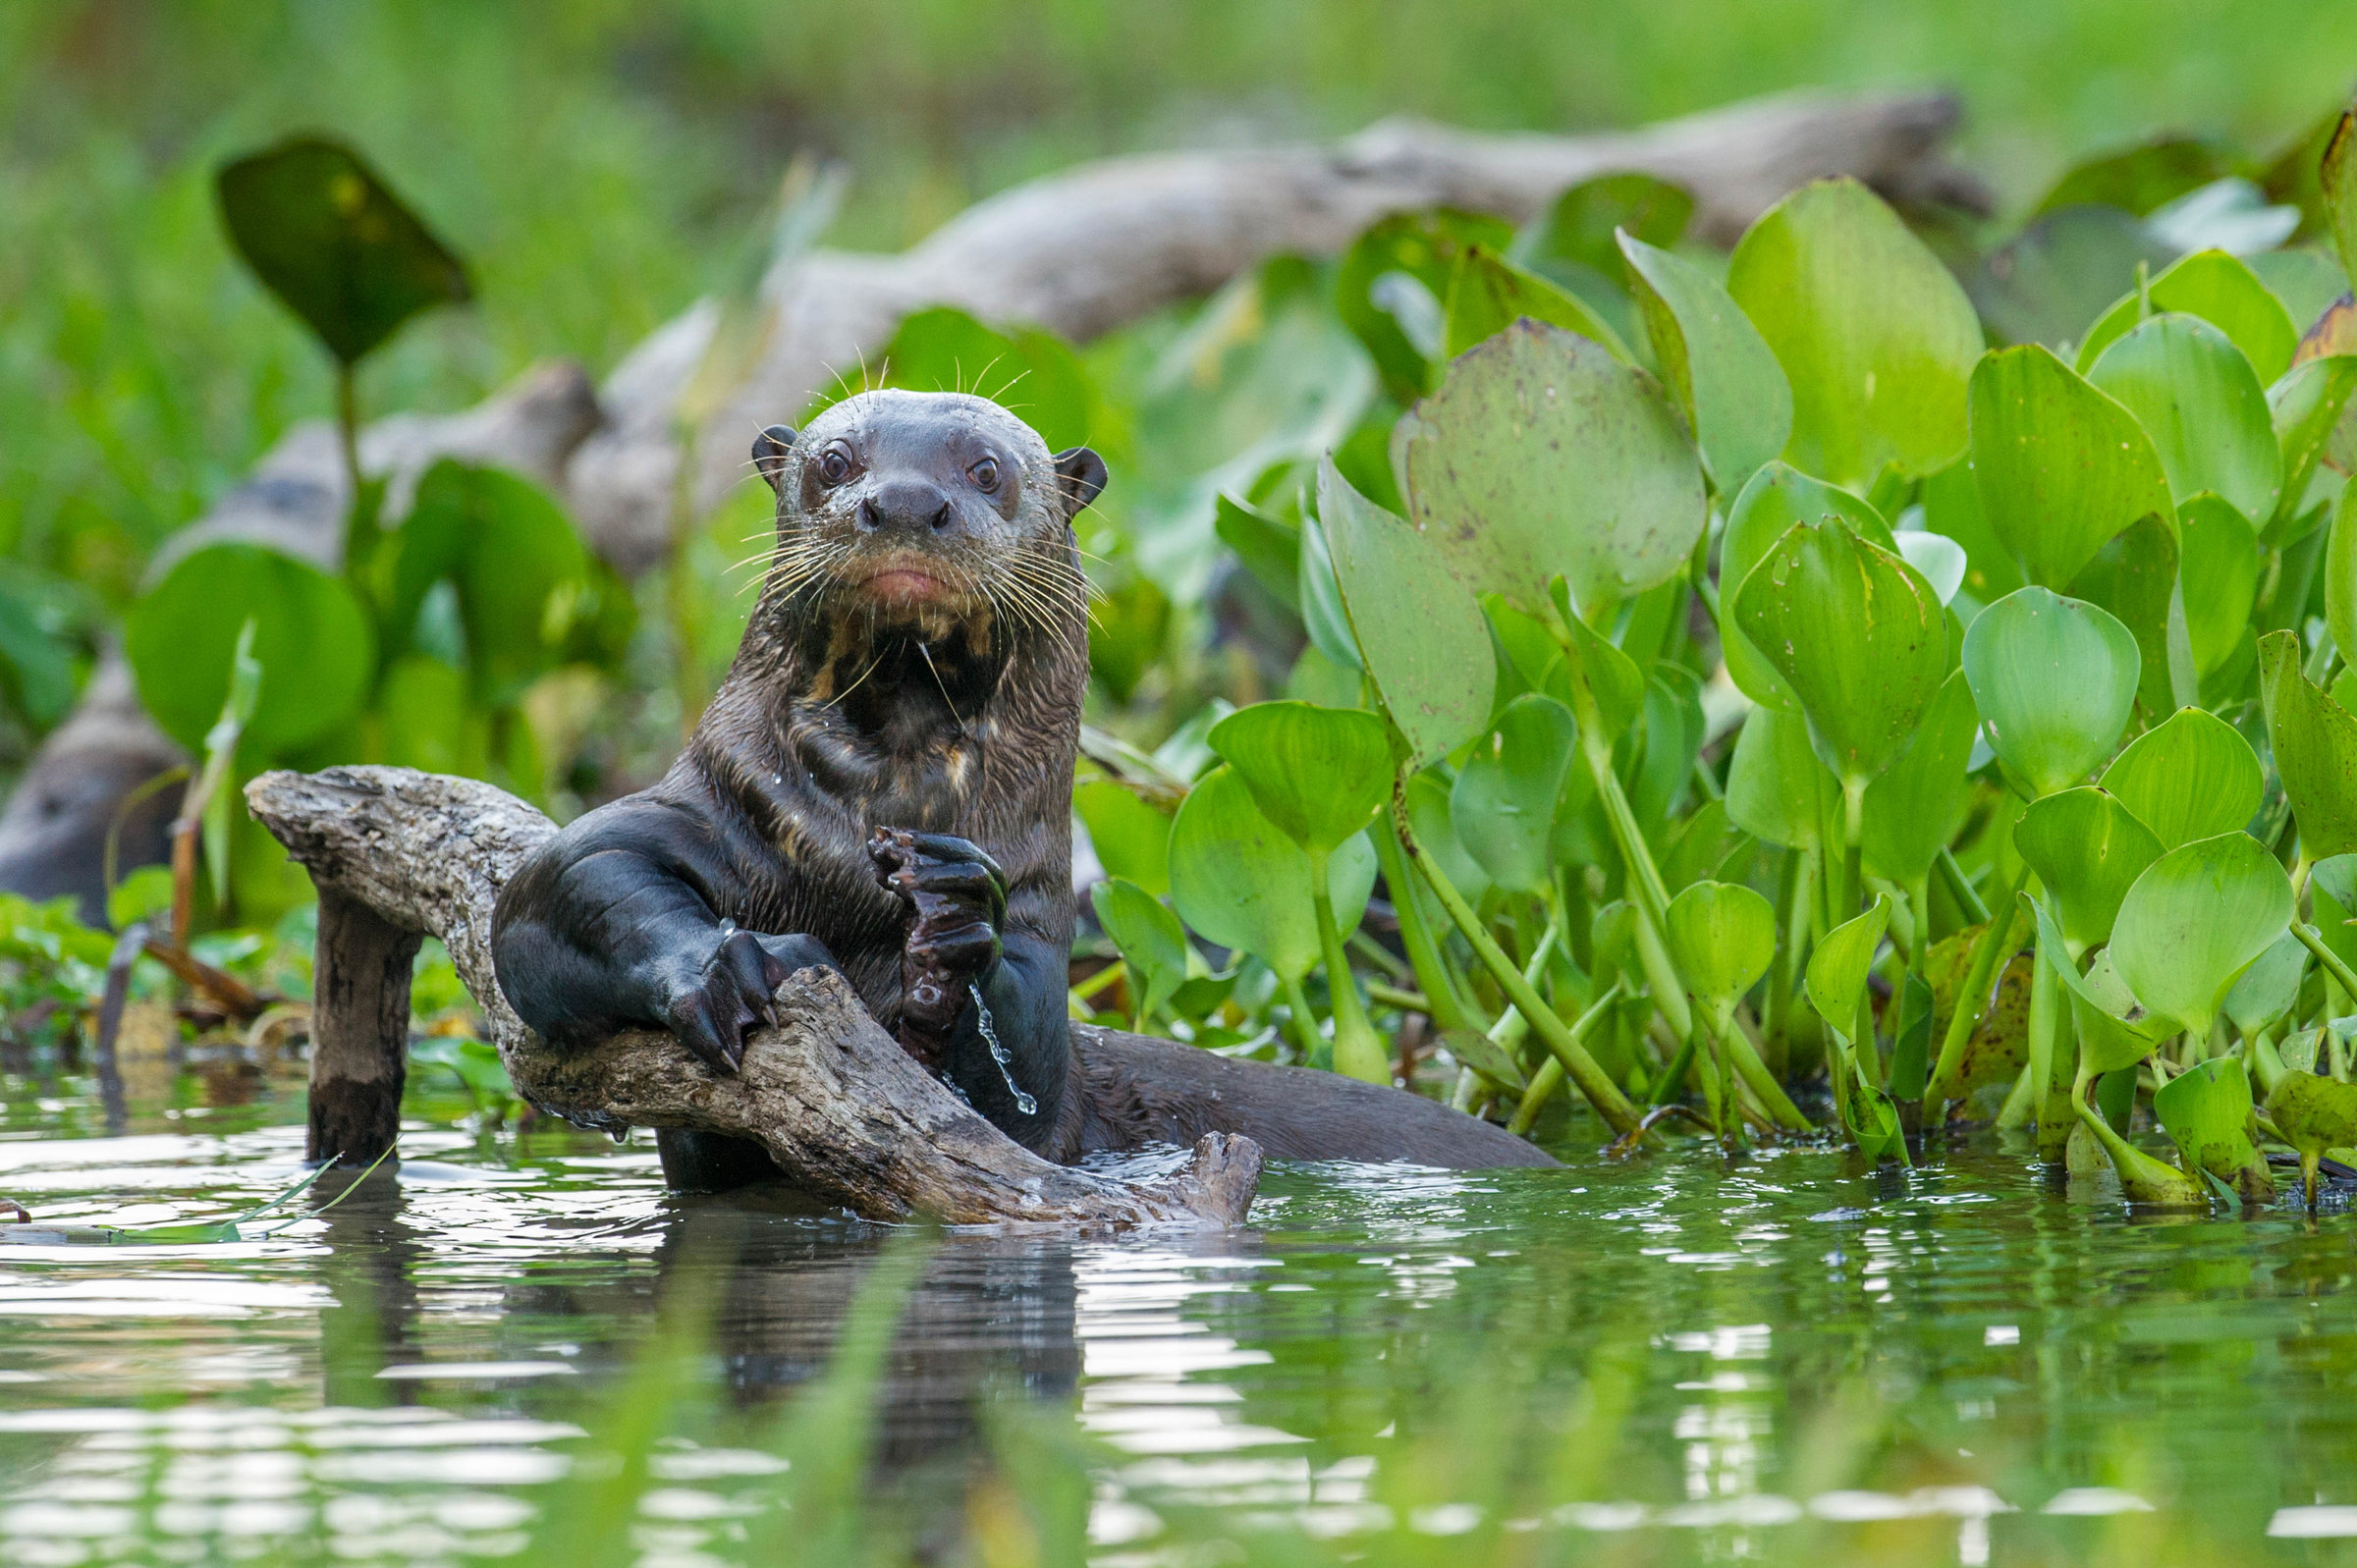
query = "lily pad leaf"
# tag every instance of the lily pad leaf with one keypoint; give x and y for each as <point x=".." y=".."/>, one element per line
<point x="1875" y="336"/>
<point x="2062" y="466"/>
<point x="1726" y="377"/>
<point x="2056" y="682"/>
<point x="1543" y="455"/>
<point x="333" y="241"/>
<point x="2190" y="776"/>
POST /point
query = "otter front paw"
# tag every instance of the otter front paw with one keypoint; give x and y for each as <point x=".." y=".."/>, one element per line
<point x="957" y="899"/>
<point x="710" y="1002"/>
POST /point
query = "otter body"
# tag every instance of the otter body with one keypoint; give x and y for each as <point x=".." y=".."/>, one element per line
<point x="883" y="785"/>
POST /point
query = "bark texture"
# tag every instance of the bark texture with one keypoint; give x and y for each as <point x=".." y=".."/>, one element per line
<point x="360" y="1030"/>
<point x="838" y="1104"/>
<point x="1081" y="252"/>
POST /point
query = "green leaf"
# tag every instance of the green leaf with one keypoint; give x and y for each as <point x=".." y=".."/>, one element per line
<point x="2088" y="850"/>
<point x="1777" y="790"/>
<point x="1726" y="377"/>
<point x="1430" y="815"/>
<point x="2198" y="399"/>
<point x="1776" y="496"/>
<point x="1587" y="223"/>
<point x="1875" y="334"/>
<point x="145" y="894"/>
<point x="1028" y="369"/>
<point x="2045" y="283"/>
<point x="2196" y="919"/>
<point x="1406" y="257"/>
<point x="1837" y="969"/>
<point x="2061" y="467"/>
<point x="2219" y="569"/>
<point x="2190" y="776"/>
<point x="2313" y="1113"/>
<point x="2314" y="740"/>
<point x="1319" y="773"/>
<point x="1420" y="633"/>
<point x="1504" y="804"/>
<point x="2207" y="1114"/>
<point x="1132" y="839"/>
<point x="1269" y="548"/>
<point x="1321" y="604"/>
<point x="1486" y="294"/>
<point x="1152" y="942"/>
<point x="2268" y="988"/>
<point x="2116" y="1030"/>
<point x="1540" y="456"/>
<point x="1240" y="882"/>
<point x="429" y="721"/>
<point x="1607" y="690"/>
<point x="1918" y="804"/>
<point x="2134" y="580"/>
<point x="2141" y="177"/>
<point x="1856" y="633"/>
<point x="2339" y="182"/>
<point x="520" y="572"/>
<point x="2306" y="407"/>
<point x="2056" y="682"/>
<point x="2221" y="290"/>
<point x="2340" y="575"/>
<point x="312" y="637"/>
<point x="1721" y="937"/>
<point x="336" y="247"/>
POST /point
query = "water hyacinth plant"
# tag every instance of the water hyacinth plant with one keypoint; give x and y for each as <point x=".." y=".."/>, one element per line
<point x="1790" y="698"/>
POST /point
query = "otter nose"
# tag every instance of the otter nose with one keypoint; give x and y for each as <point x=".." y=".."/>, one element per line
<point x="915" y="506"/>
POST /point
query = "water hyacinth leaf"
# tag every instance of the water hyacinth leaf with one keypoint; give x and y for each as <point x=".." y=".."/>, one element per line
<point x="1152" y="942"/>
<point x="312" y="638"/>
<point x="2046" y="283"/>
<point x="2062" y="466"/>
<point x="1238" y="880"/>
<point x="429" y="721"/>
<point x="1606" y="688"/>
<point x="1503" y="804"/>
<point x="2190" y="776"/>
<point x="1722" y="935"/>
<point x="1542" y="456"/>
<point x="521" y="573"/>
<point x="2221" y="290"/>
<point x="1486" y="294"/>
<point x="2088" y="851"/>
<point x="2134" y="580"/>
<point x="942" y="349"/>
<point x="1269" y="548"/>
<point x="2138" y="179"/>
<point x="2340" y="190"/>
<point x="1319" y="773"/>
<point x="1874" y="1126"/>
<point x="1776" y="496"/>
<point x="1856" y="633"/>
<point x="1420" y="633"/>
<point x="2203" y="406"/>
<point x="2196" y="919"/>
<point x="1777" y="790"/>
<point x="1131" y="837"/>
<point x="2219" y="569"/>
<point x="2341" y="574"/>
<point x="2116" y="1030"/>
<point x="2313" y="1113"/>
<point x="1875" y="334"/>
<point x="334" y="243"/>
<point x="1940" y="559"/>
<point x="1726" y="377"/>
<point x="2336" y="875"/>
<point x="1486" y="1056"/>
<point x="1588" y="222"/>
<point x="2314" y="740"/>
<point x="1435" y="825"/>
<point x="2268" y="988"/>
<point x="2306" y="407"/>
<point x="1405" y="257"/>
<point x="1321" y="602"/>
<point x="2055" y="679"/>
<point x="1915" y="807"/>
<point x="1837" y="969"/>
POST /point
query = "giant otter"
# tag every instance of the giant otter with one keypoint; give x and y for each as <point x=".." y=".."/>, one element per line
<point x="883" y="785"/>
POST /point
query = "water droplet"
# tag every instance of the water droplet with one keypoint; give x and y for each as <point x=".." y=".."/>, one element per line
<point x="998" y="1054"/>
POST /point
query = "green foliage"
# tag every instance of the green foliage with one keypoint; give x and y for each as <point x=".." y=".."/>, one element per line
<point x="2195" y="920"/>
<point x="2062" y="466"/>
<point x="2056" y="682"/>
<point x="1727" y="379"/>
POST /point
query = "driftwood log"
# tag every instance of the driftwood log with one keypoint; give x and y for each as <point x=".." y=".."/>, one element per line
<point x="843" y="1110"/>
<point x="1082" y="252"/>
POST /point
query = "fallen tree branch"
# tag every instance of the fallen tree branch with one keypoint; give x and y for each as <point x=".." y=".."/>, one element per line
<point x="841" y="1107"/>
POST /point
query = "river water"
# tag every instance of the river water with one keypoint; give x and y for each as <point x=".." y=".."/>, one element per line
<point x="1673" y="1359"/>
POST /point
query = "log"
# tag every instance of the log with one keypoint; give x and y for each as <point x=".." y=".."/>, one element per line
<point x="1081" y="252"/>
<point x="841" y="1107"/>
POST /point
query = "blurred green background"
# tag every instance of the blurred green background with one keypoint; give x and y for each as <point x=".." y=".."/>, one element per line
<point x="603" y="163"/>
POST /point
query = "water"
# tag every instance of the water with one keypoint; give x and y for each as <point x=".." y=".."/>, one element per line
<point x="1789" y="1358"/>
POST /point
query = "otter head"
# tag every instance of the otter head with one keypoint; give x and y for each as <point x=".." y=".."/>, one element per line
<point x="929" y="509"/>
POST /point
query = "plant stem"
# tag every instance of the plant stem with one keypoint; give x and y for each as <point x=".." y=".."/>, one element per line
<point x="359" y="524"/>
<point x="1960" y="888"/>
<point x="1853" y="848"/>
<point x="1443" y="1006"/>
<point x="1973" y="998"/>
<point x="2313" y="941"/>
<point x="1551" y="1071"/>
<point x="1593" y="1081"/>
<point x="1357" y="1049"/>
<point x="1403" y="1001"/>
<point x="1305" y="1022"/>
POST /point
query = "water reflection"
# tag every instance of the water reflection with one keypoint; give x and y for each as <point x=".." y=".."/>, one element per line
<point x="1785" y="1354"/>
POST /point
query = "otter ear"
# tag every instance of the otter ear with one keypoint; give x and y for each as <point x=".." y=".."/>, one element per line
<point x="768" y="453"/>
<point x="1082" y="473"/>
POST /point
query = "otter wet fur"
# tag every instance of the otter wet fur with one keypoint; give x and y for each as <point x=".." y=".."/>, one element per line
<point x="883" y="785"/>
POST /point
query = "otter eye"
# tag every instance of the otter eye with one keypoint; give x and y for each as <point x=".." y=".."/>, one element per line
<point x="834" y="466"/>
<point x="985" y="473"/>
